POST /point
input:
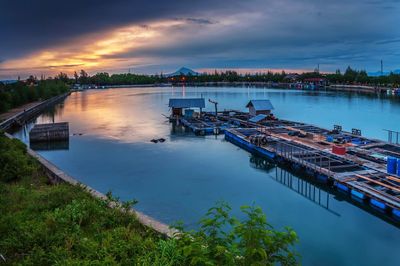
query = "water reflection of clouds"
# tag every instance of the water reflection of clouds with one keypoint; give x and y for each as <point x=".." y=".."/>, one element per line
<point x="114" y="114"/>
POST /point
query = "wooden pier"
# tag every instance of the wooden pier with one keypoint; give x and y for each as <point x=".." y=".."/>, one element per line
<point x="49" y="132"/>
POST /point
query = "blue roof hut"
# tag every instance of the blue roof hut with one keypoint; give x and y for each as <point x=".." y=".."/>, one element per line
<point x="180" y="104"/>
<point x="257" y="107"/>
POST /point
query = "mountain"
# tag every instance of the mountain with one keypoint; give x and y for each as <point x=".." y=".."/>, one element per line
<point x="183" y="71"/>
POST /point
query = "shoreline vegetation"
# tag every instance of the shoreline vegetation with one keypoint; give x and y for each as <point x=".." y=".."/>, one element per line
<point x="47" y="224"/>
<point x="32" y="90"/>
<point x="349" y="77"/>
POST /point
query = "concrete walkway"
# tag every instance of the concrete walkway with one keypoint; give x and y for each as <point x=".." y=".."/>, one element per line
<point x="17" y="110"/>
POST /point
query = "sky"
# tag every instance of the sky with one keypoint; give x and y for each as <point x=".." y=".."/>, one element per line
<point x="44" y="37"/>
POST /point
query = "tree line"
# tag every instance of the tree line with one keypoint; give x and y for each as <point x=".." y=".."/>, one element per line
<point x="104" y="79"/>
<point x="22" y="92"/>
<point x="350" y="76"/>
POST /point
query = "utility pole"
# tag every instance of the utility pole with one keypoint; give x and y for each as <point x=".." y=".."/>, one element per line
<point x="381" y="67"/>
<point x="215" y="104"/>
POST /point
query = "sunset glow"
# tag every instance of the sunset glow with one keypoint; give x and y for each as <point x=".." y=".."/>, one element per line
<point x="90" y="54"/>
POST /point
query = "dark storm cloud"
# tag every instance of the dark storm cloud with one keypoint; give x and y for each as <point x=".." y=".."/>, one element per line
<point x="254" y="33"/>
<point x="197" y="20"/>
<point x="288" y="34"/>
<point x="26" y="26"/>
<point x="41" y="67"/>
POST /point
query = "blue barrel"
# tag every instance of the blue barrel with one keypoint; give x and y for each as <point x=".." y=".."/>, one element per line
<point x="189" y="113"/>
<point x="357" y="194"/>
<point x="396" y="213"/>
<point x="391" y="165"/>
<point x="342" y="187"/>
<point x="398" y="167"/>
<point x="329" y="138"/>
<point x="378" y="204"/>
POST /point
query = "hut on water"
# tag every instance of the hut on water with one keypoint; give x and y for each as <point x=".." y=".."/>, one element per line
<point x="257" y="107"/>
<point x="180" y="104"/>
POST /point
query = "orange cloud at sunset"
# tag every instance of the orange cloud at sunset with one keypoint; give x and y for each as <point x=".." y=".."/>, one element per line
<point x="94" y="52"/>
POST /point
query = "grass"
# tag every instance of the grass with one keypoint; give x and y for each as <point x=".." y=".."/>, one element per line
<point x="62" y="224"/>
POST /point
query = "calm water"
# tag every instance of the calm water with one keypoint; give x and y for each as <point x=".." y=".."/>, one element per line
<point x="180" y="179"/>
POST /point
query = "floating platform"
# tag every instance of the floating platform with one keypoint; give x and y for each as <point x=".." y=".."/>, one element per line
<point x="49" y="132"/>
<point x="357" y="177"/>
<point x="350" y="163"/>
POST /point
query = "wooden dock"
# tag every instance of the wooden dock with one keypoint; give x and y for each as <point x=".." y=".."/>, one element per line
<point x="49" y="132"/>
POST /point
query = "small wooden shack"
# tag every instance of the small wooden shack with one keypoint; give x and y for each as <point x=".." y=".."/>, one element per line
<point x="257" y="107"/>
<point x="180" y="104"/>
<point x="49" y="132"/>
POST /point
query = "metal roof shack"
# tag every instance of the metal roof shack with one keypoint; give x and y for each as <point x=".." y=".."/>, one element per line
<point x="257" y="107"/>
<point x="178" y="105"/>
<point x="187" y="103"/>
<point x="258" y="118"/>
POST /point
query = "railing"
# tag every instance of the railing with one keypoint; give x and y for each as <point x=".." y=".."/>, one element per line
<point x="393" y="136"/>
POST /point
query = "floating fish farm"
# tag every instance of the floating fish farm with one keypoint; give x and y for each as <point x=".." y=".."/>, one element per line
<point x="365" y="169"/>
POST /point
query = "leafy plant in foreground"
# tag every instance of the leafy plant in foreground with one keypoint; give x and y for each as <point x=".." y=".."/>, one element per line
<point x="223" y="240"/>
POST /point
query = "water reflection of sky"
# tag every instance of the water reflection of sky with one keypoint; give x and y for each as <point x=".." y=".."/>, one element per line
<point x="182" y="177"/>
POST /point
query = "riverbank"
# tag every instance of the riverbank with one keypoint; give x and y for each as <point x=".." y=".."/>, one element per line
<point x="358" y="88"/>
<point x="366" y="89"/>
<point x="290" y="86"/>
<point x="44" y="223"/>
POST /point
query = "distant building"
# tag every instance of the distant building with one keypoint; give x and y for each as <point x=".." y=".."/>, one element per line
<point x="257" y="107"/>
<point x="316" y="81"/>
<point x="178" y="105"/>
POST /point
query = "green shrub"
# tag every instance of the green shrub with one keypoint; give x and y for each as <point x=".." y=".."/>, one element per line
<point x="223" y="240"/>
<point x="14" y="162"/>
